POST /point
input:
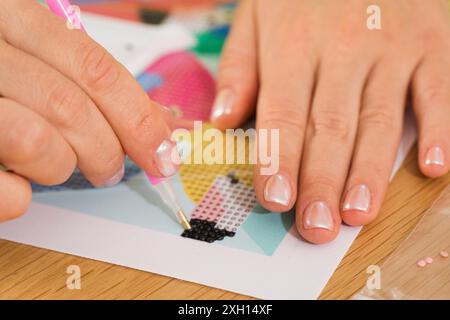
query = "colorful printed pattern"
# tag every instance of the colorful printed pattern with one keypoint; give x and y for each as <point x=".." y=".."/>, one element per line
<point x="223" y="209"/>
<point x="185" y="84"/>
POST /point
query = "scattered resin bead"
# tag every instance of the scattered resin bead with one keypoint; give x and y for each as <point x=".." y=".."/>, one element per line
<point x="443" y="254"/>
<point x="429" y="260"/>
<point x="421" y="263"/>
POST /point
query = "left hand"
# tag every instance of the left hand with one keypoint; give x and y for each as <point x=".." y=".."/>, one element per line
<point x="337" y="92"/>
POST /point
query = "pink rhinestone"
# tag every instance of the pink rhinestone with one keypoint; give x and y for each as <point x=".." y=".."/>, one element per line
<point x="421" y="263"/>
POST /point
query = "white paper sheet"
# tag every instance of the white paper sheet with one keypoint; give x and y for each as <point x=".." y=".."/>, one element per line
<point x="136" y="45"/>
<point x="125" y="225"/>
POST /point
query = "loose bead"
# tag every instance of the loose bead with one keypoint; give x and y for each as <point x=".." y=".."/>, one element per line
<point x="421" y="263"/>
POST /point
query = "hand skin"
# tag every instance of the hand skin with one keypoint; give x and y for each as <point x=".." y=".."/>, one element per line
<point x="337" y="91"/>
<point x="66" y="103"/>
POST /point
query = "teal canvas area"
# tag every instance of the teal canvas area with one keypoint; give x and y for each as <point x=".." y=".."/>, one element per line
<point x="135" y="202"/>
<point x="267" y="228"/>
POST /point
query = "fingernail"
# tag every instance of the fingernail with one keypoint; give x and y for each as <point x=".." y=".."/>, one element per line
<point x="115" y="179"/>
<point x="435" y="156"/>
<point x="318" y="216"/>
<point x="223" y="104"/>
<point x="278" y="190"/>
<point x="357" y="198"/>
<point x="167" y="158"/>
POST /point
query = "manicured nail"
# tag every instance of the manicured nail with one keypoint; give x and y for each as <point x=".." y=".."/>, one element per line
<point x="435" y="156"/>
<point x="318" y="216"/>
<point x="115" y="179"/>
<point x="357" y="198"/>
<point x="167" y="158"/>
<point x="278" y="190"/>
<point x="223" y="104"/>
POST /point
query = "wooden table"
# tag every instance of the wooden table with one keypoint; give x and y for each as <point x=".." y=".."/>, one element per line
<point x="32" y="273"/>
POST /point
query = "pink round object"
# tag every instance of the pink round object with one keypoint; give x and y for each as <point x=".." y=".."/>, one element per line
<point x="421" y="263"/>
<point x="429" y="260"/>
<point x="443" y="254"/>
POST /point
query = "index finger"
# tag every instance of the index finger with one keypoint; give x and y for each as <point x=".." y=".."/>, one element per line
<point x="138" y="122"/>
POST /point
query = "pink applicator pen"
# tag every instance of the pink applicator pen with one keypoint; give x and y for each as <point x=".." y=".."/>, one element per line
<point x="64" y="9"/>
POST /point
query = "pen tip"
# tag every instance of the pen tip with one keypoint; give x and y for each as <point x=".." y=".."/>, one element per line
<point x="184" y="221"/>
<point x="186" y="226"/>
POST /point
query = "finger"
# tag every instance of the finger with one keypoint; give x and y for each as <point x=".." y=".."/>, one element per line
<point x="137" y="122"/>
<point x="238" y="80"/>
<point x="431" y="102"/>
<point x="379" y="133"/>
<point x="15" y="193"/>
<point x="57" y="99"/>
<point x="328" y="146"/>
<point x="31" y="147"/>
<point x="173" y="118"/>
<point x="283" y="104"/>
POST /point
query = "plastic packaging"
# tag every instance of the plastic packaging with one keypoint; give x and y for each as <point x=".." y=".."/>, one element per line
<point x="420" y="267"/>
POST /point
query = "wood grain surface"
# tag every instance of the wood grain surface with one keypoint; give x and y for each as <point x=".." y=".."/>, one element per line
<point x="33" y="273"/>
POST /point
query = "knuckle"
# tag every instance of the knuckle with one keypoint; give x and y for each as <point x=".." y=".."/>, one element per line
<point x="325" y="183"/>
<point x="112" y="163"/>
<point x="283" y="114"/>
<point x="379" y="117"/>
<point x="66" y="105"/>
<point x="29" y="139"/>
<point x="233" y="57"/>
<point x="434" y="93"/>
<point x="145" y="125"/>
<point x="236" y="65"/>
<point x="347" y="42"/>
<point x="330" y="124"/>
<point x="372" y="169"/>
<point x="99" y="68"/>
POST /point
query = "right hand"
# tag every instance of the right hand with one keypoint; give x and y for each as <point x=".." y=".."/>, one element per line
<point x="65" y="103"/>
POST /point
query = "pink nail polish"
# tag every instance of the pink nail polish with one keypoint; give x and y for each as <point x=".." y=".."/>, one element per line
<point x="167" y="158"/>
<point x="223" y="104"/>
<point x="357" y="198"/>
<point x="278" y="190"/>
<point x="435" y="156"/>
<point x="115" y="179"/>
<point x="318" y="216"/>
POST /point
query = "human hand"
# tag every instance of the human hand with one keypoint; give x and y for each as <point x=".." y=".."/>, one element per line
<point x="337" y="92"/>
<point x="65" y="103"/>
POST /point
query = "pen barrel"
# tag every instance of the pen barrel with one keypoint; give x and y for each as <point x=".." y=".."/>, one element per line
<point x="167" y="194"/>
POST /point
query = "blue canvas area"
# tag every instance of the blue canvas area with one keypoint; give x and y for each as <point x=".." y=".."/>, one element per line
<point x="78" y="182"/>
<point x="132" y="202"/>
<point x="268" y="229"/>
<point x="149" y="81"/>
<point x="135" y="202"/>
